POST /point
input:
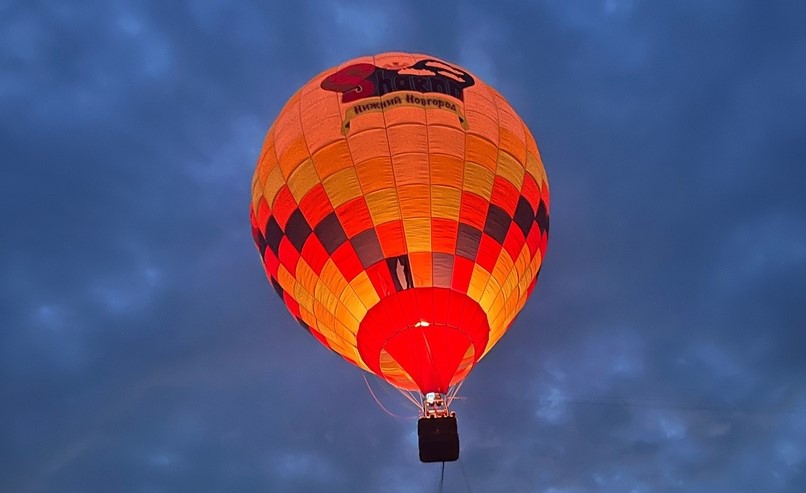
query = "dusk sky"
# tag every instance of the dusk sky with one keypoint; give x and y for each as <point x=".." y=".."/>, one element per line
<point x="143" y="350"/>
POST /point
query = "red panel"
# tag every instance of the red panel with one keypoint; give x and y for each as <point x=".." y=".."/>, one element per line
<point x="489" y="250"/>
<point x="315" y="205"/>
<point x="505" y="195"/>
<point x="292" y="305"/>
<point x="315" y="254"/>
<point x="263" y="213"/>
<point x="473" y="210"/>
<point x="347" y="261"/>
<point x="288" y="255"/>
<point x="391" y="238"/>
<point x="381" y="279"/>
<point x="544" y="193"/>
<point x="425" y="307"/>
<point x="354" y="216"/>
<point x="530" y="191"/>
<point x="533" y="240"/>
<point x="443" y="235"/>
<point x="462" y="272"/>
<point x="514" y="241"/>
<point x="271" y="262"/>
<point x="442" y="300"/>
<point x="284" y="205"/>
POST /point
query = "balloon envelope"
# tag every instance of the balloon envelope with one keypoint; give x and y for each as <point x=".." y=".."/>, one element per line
<point x="401" y="210"/>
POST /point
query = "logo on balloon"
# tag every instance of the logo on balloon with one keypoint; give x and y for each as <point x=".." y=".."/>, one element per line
<point x="361" y="81"/>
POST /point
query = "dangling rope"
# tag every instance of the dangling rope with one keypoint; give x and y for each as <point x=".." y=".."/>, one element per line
<point x="442" y="478"/>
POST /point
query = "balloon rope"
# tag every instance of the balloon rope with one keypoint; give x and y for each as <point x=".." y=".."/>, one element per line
<point x="390" y="413"/>
<point x="455" y="390"/>
<point x="409" y="398"/>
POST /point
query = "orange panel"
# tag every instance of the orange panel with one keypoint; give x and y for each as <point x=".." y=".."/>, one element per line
<point x="447" y="170"/>
<point x="332" y="158"/>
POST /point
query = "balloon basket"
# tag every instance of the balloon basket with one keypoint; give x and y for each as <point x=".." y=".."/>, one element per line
<point x="437" y="430"/>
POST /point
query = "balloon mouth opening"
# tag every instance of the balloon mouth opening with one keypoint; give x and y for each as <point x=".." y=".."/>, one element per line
<point x="423" y="339"/>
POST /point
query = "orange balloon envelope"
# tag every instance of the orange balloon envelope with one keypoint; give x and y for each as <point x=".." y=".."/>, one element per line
<point x="401" y="210"/>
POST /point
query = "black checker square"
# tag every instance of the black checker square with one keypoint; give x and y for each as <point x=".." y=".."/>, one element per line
<point x="367" y="247"/>
<point x="330" y="233"/>
<point x="297" y="229"/>
<point x="274" y="234"/>
<point x="542" y="217"/>
<point x="497" y="224"/>
<point x="524" y="216"/>
<point x="468" y="239"/>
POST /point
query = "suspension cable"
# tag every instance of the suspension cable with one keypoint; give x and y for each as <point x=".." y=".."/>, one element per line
<point x="372" y="393"/>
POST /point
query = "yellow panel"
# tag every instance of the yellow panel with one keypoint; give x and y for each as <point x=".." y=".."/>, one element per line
<point x="478" y="281"/>
<point x="415" y="201"/>
<point x="503" y="266"/>
<point x="411" y="169"/>
<point x="523" y="260"/>
<point x="333" y="278"/>
<point x="353" y="303"/>
<point x="347" y="324"/>
<point x="510" y="169"/>
<point x="445" y="202"/>
<point x="510" y="285"/>
<point x="325" y="319"/>
<point x="302" y="180"/>
<point x="325" y="296"/>
<point x="479" y="180"/>
<point x="375" y="174"/>
<point x="447" y="170"/>
<point x="365" y="290"/>
<point x="418" y="234"/>
<point x="332" y="158"/>
<point x="274" y="182"/>
<point x="383" y="206"/>
<point x="492" y="290"/>
<point x="285" y="279"/>
<point x="535" y="168"/>
<point x="306" y="276"/>
<point x="511" y="143"/>
<point x="345" y="315"/>
<point x="342" y="187"/>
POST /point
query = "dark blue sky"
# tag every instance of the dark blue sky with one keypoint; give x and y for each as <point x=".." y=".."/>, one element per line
<point x="143" y="350"/>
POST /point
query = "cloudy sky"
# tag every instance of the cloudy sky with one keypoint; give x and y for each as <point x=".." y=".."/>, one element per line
<point x="143" y="350"/>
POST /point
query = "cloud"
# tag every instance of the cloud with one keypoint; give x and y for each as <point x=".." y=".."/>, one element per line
<point x="144" y="350"/>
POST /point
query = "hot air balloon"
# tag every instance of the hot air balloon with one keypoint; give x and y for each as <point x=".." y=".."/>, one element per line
<point x="401" y="211"/>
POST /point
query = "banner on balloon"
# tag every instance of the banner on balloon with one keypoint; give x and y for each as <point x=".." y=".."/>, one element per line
<point x="397" y="99"/>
